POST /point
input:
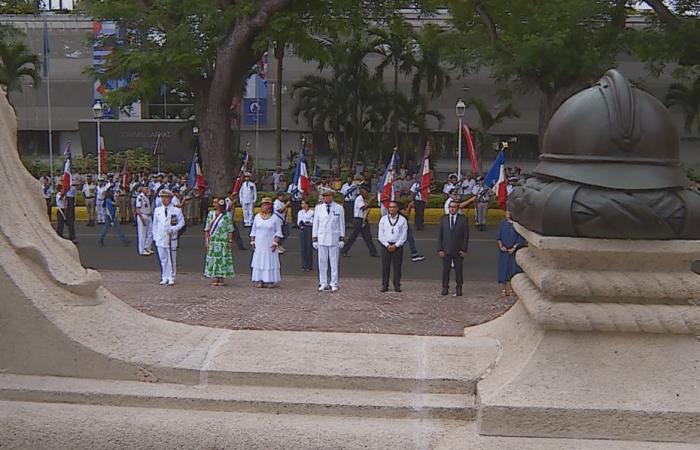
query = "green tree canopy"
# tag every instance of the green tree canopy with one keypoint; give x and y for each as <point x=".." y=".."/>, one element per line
<point x="17" y="62"/>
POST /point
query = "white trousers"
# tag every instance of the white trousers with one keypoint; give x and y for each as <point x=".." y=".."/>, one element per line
<point x="173" y="257"/>
<point x="328" y="254"/>
<point x="145" y="231"/>
<point x="248" y="213"/>
<point x="166" y="264"/>
<point x="100" y="211"/>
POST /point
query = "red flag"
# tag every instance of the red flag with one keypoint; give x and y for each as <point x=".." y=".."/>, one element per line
<point x="239" y="180"/>
<point x="67" y="178"/>
<point x="103" y="157"/>
<point x="501" y="188"/>
<point x="387" y="194"/>
<point x="425" y="174"/>
<point x="470" y="148"/>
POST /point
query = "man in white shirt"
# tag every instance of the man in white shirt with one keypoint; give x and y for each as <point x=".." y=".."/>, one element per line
<point x="167" y="222"/>
<point x="327" y="235"/>
<point x="60" y="212"/>
<point x="47" y="192"/>
<point x="359" y="223"/>
<point x="451" y="184"/>
<point x="482" y="195"/>
<point x="100" y="190"/>
<point x="393" y="232"/>
<point x="279" y="209"/>
<point x="247" y="196"/>
<point x="276" y="177"/>
<point x="454" y="197"/>
<point x="468" y="184"/>
<point x="350" y="192"/>
<point x="89" y="191"/>
<point x="144" y="222"/>
<point x="418" y="204"/>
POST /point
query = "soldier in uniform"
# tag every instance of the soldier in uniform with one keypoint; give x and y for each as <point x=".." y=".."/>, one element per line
<point x="296" y="196"/>
<point x="100" y="198"/>
<point x="144" y="233"/>
<point x="482" y="194"/>
<point x="350" y="192"/>
<point x="89" y="192"/>
<point x="328" y="234"/>
<point x="47" y="192"/>
<point x="360" y="225"/>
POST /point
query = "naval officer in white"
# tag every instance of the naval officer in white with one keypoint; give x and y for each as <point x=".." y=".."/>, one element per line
<point x="247" y="195"/>
<point x="167" y="221"/>
<point x="328" y="235"/>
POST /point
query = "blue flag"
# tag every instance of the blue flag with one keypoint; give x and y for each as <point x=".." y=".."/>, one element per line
<point x="495" y="171"/>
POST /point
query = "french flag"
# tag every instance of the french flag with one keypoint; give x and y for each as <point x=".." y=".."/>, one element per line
<point x="425" y="174"/>
<point x="67" y="179"/>
<point x="196" y="177"/>
<point x="239" y="180"/>
<point x="386" y="193"/>
<point x="496" y="178"/>
<point x="301" y="175"/>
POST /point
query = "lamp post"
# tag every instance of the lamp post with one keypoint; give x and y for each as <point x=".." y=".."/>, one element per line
<point x="97" y="113"/>
<point x="460" y="109"/>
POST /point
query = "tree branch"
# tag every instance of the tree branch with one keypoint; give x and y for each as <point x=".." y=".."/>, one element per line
<point x="488" y="21"/>
<point x="665" y="15"/>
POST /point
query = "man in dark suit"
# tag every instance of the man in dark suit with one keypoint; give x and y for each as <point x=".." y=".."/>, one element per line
<point x="452" y="246"/>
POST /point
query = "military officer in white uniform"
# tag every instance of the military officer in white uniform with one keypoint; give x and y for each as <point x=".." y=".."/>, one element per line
<point x="89" y="193"/>
<point x="328" y="235"/>
<point x="144" y="222"/>
<point x="247" y="196"/>
<point x="102" y="187"/>
<point x="167" y="222"/>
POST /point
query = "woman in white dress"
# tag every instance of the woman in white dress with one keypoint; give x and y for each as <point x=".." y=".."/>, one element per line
<point x="264" y="238"/>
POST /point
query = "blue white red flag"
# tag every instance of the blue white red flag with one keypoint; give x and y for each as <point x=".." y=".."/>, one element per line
<point x="239" y="179"/>
<point x="496" y="177"/>
<point x="196" y="177"/>
<point x="386" y="191"/>
<point x="301" y="175"/>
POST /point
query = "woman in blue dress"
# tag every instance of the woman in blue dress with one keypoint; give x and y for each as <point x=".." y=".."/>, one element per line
<point x="509" y="241"/>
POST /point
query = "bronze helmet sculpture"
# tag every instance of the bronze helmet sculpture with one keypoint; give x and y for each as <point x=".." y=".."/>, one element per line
<point x="610" y="168"/>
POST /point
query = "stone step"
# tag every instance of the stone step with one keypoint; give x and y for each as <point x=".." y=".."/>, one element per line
<point x="229" y="398"/>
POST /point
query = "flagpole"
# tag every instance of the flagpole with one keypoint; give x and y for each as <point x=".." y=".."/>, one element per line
<point x="48" y="101"/>
<point x="257" y="118"/>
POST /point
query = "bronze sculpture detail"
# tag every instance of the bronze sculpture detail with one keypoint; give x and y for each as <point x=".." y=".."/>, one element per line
<point x="609" y="168"/>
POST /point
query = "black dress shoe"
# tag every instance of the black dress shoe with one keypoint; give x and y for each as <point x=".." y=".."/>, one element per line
<point x="444" y="292"/>
<point x="397" y="289"/>
<point x="384" y="289"/>
<point x="374" y="256"/>
<point x="458" y="293"/>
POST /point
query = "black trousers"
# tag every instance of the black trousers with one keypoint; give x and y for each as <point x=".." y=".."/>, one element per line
<point x="388" y="259"/>
<point x="48" y="207"/>
<point x="420" y="214"/>
<point x="237" y="237"/>
<point x="61" y="221"/>
<point x="70" y="217"/>
<point x="296" y="206"/>
<point x="307" y="249"/>
<point x="447" y="261"/>
<point x="359" y="226"/>
<point x="349" y="213"/>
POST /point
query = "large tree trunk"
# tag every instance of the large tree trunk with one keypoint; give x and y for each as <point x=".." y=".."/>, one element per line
<point x="395" y="118"/>
<point x="279" y="57"/>
<point x="213" y="94"/>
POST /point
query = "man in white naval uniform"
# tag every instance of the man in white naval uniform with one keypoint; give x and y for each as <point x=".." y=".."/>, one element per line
<point x="328" y="234"/>
<point x="102" y="187"/>
<point x="247" y="196"/>
<point x="144" y="221"/>
<point x="167" y="221"/>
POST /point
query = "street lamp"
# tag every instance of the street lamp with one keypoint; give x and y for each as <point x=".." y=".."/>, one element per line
<point x="460" y="109"/>
<point x="97" y="113"/>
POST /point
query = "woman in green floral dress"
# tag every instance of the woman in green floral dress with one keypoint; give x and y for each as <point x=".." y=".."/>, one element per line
<point x="218" y="239"/>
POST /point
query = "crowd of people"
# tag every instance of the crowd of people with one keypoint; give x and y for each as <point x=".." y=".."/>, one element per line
<point x="161" y="206"/>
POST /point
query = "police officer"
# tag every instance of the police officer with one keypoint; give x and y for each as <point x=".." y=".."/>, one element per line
<point x="328" y="234"/>
<point x="392" y="234"/>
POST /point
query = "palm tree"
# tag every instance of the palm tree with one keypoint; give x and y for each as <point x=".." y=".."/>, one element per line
<point x="396" y="44"/>
<point x="688" y="99"/>
<point x="430" y="69"/>
<point x="488" y="120"/>
<point x="414" y="113"/>
<point x="17" y="62"/>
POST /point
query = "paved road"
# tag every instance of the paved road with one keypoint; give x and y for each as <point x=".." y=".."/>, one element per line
<point x="480" y="264"/>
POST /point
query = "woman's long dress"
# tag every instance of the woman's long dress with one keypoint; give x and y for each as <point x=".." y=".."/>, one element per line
<point x="265" y="266"/>
<point x="507" y="266"/>
<point x="219" y="261"/>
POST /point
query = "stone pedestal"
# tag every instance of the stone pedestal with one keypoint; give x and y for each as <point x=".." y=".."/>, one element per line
<point x="601" y="345"/>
